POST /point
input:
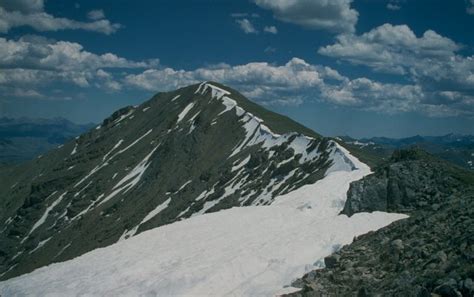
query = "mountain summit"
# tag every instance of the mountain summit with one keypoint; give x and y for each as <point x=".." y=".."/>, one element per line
<point x="195" y="192"/>
<point x="184" y="153"/>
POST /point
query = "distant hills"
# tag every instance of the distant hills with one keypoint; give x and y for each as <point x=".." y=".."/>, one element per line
<point x="23" y="139"/>
<point x="455" y="148"/>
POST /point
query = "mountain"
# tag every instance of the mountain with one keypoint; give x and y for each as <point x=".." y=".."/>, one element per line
<point x="429" y="254"/>
<point x="193" y="151"/>
<point x="458" y="149"/>
<point x="23" y="139"/>
<point x="199" y="191"/>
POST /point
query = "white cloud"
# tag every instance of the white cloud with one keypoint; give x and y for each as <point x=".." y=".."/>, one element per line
<point x="33" y="52"/>
<point x="96" y="14"/>
<point x="25" y="6"/>
<point x="33" y="62"/>
<point x="393" y="49"/>
<point x="270" y="29"/>
<point x="27" y="93"/>
<point x="262" y="81"/>
<point x="18" y="13"/>
<point x="431" y="62"/>
<point x="330" y="15"/>
<point x="392" y="6"/>
<point x="244" y="15"/>
<point x="246" y="26"/>
<point x="298" y="81"/>
<point x="470" y="7"/>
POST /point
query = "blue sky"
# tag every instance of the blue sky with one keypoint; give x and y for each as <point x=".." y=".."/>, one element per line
<point x="362" y="68"/>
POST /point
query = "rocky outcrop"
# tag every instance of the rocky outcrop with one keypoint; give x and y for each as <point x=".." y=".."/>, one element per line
<point x="429" y="254"/>
<point x="410" y="181"/>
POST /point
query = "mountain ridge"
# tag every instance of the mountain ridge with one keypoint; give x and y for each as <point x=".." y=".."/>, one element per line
<point x="242" y="251"/>
<point x="428" y="254"/>
<point x="84" y="195"/>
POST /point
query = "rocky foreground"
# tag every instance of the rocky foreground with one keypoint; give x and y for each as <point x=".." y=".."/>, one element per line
<point x="429" y="254"/>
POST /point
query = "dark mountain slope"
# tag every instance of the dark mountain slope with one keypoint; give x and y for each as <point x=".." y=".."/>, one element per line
<point x="198" y="149"/>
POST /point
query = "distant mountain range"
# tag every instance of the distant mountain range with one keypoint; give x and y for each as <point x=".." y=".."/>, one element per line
<point x="23" y="139"/>
<point x="455" y="148"/>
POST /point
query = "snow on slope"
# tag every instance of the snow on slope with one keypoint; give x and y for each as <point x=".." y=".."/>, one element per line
<point x="243" y="251"/>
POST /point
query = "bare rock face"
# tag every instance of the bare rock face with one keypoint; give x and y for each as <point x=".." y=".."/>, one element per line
<point x="429" y="254"/>
<point x="411" y="180"/>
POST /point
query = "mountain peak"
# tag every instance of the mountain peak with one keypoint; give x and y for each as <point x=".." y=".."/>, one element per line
<point x="233" y="100"/>
<point x="195" y="150"/>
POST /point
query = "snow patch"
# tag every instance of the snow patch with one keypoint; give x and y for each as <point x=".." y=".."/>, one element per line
<point x="74" y="150"/>
<point x="183" y="186"/>
<point x="185" y="112"/>
<point x="124" y="116"/>
<point x="114" y="148"/>
<point x="240" y="164"/>
<point x="105" y="162"/>
<point x="131" y="179"/>
<point x="243" y="251"/>
<point x="40" y="245"/>
<point x="45" y="214"/>
<point x="156" y="211"/>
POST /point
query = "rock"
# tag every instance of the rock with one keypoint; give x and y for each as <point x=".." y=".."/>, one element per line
<point x="430" y="254"/>
<point x="468" y="286"/>
<point x="442" y="257"/>
<point x="412" y="180"/>
<point x="397" y="245"/>
<point x="332" y="260"/>
<point x="423" y="292"/>
<point x="447" y="290"/>
<point x="363" y="292"/>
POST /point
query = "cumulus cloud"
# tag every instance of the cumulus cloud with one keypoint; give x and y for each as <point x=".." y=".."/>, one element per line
<point x="246" y="26"/>
<point x="430" y="61"/>
<point x="18" y="13"/>
<point x="390" y="48"/>
<point x="34" y="61"/>
<point x="330" y="15"/>
<point x="244" y="15"/>
<point x="394" y="5"/>
<point x="270" y="29"/>
<point x="470" y="7"/>
<point x="34" y="52"/>
<point x="27" y="93"/>
<point x="25" y="6"/>
<point x="259" y="80"/>
<point x="96" y="14"/>
<point x="298" y="81"/>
